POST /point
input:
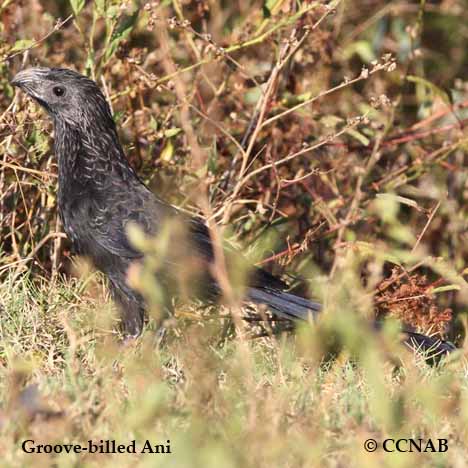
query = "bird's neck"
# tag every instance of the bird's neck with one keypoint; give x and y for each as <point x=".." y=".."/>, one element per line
<point x="90" y="160"/>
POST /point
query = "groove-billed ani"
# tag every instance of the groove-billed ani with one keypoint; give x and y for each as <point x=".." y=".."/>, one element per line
<point x="99" y="194"/>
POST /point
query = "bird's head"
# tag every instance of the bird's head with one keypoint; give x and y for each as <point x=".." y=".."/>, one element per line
<point x="66" y="95"/>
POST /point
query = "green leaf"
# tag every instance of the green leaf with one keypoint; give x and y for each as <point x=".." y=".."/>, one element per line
<point x="331" y="121"/>
<point x="167" y="152"/>
<point x="172" y="132"/>
<point x="121" y="33"/>
<point x="431" y="86"/>
<point x="401" y="234"/>
<point x="153" y="124"/>
<point x="213" y="158"/>
<point x="448" y="287"/>
<point x="252" y="95"/>
<point x="361" y="48"/>
<point x="268" y="7"/>
<point x="399" y="199"/>
<point x="118" y="116"/>
<point x="112" y="12"/>
<point x="100" y="6"/>
<point x="22" y="44"/>
<point x="77" y="6"/>
<point x="358" y="136"/>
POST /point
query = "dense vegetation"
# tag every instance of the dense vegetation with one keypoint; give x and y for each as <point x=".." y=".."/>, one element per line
<point x="328" y="141"/>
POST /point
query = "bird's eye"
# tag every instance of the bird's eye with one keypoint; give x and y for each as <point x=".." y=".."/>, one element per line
<point x="58" y="90"/>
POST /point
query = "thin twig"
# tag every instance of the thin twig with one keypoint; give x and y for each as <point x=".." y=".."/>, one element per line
<point x="431" y="217"/>
<point x="57" y="26"/>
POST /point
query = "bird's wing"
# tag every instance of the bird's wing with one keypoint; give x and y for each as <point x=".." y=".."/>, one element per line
<point x="108" y="220"/>
<point x="108" y="224"/>
<point x="111" y="237"/>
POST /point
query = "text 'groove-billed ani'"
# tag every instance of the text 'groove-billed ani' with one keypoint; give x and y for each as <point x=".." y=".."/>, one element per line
<point x="99" y="194"/>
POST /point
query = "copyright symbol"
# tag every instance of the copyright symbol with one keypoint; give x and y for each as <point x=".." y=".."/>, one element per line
<point x="370" y="445"/>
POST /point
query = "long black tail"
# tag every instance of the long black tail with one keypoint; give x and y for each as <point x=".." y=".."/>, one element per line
<point x="284" y="304"/>
<point x="431" y="347"/>
<point x="289" y="306"/>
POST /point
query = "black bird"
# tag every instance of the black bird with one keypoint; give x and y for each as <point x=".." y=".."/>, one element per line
<point x="99" y="194"/>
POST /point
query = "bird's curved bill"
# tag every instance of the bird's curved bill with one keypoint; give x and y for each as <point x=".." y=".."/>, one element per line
<point x="31" y="81"/>
<point x="27" y="78"/>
